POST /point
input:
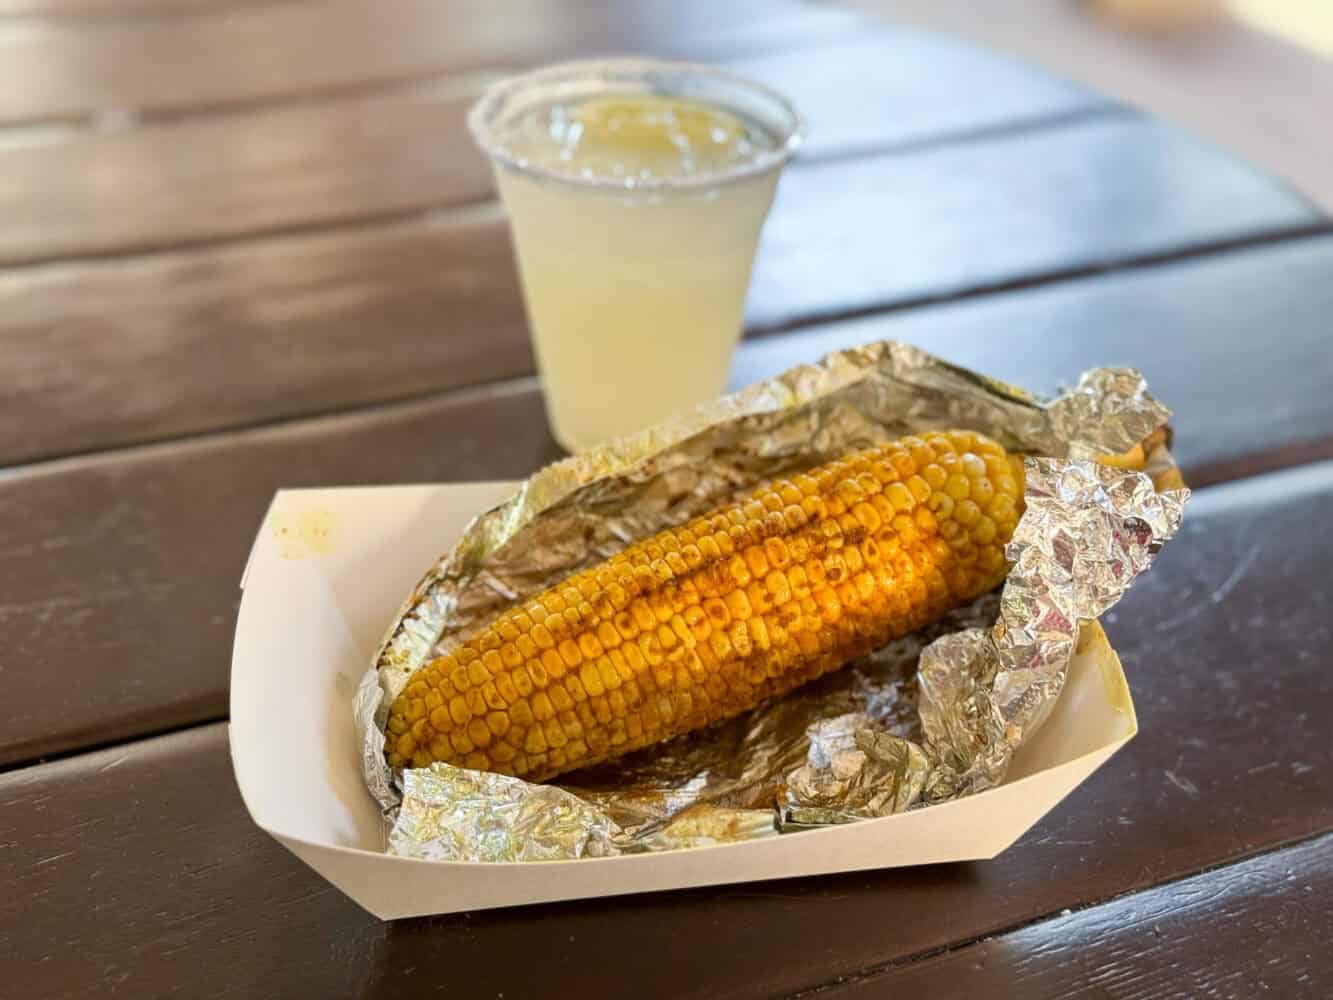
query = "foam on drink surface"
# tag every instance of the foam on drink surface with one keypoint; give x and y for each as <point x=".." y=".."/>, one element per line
<point x="634" y="138"/>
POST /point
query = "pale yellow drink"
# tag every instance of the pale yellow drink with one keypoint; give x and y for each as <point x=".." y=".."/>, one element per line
<point x="635" y="218"/>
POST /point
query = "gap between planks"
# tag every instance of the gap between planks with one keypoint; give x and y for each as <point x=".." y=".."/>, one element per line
<point x="110" y="744"/>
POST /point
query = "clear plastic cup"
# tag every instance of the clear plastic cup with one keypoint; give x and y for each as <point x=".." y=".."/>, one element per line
<point x="634" y="280"/>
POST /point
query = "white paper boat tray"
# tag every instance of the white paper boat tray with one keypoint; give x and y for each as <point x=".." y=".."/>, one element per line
<point x="328" y="571"/>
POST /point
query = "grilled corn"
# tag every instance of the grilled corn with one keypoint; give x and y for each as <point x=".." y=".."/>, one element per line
<point x="706" y="620"/>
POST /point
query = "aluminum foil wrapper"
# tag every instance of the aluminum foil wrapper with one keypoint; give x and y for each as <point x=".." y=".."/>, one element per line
<point x="450" y="813"/>
<point x="1087" y="532"/>
<point x="931" y="716"/>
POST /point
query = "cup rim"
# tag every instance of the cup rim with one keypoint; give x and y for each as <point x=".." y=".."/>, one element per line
<point x="481" y="124"/>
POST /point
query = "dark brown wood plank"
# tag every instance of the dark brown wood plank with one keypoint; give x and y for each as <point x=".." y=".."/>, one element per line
<point x="130" y="553"/>
<point x="406" y="148"/>
<point x="1257" y="927"/>
<point x="73" y="67"/>
<point x="189" y="341"/>
<point x="870" y="232"/>
<point x="150" y="873"/>
<point x="1238" y="344"/>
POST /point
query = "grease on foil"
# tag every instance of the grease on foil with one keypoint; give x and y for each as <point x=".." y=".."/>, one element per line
<point x="930" y="717"/>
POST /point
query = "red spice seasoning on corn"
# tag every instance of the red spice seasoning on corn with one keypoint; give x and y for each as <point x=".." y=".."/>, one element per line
<point x="702" y="622"/>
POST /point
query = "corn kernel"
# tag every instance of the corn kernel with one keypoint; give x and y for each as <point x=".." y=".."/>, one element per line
<point x="703" y="621"/>
<point x="560" y="697"/>
<point x="460" y="741"/>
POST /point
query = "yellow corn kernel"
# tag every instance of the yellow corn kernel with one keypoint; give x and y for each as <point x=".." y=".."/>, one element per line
<point x="703" y="621"/>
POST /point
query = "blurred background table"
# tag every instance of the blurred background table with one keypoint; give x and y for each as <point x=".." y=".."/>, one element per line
<point x="247" y="245"/>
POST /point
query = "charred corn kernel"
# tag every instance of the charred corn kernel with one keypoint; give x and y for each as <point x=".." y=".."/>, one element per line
<point x="706" y="620"/>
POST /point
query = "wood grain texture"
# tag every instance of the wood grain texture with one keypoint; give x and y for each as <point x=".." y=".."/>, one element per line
<point x="142" y="549"/>
<point x="124" y="350"/>
<point x="78" y="67"/>
<point x="1229" y="671"/>
<point x="365" y="155"/>
<point x="251" y="171"/>
<point x="1258" y="927"/>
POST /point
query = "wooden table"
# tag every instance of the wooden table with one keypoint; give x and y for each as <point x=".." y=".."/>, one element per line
<point x="246" y="244"/>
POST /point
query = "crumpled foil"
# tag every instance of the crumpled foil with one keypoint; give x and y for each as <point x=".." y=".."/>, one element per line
<point x="1087" y="532"/>
<point x="929" y="717"/>
<point x="451" y="812"/>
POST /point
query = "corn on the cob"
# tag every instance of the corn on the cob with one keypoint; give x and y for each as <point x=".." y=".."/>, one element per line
<point x="704" y="621"/>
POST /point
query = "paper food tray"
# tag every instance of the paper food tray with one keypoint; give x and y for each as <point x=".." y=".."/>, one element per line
<point x="328" y="571"/>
